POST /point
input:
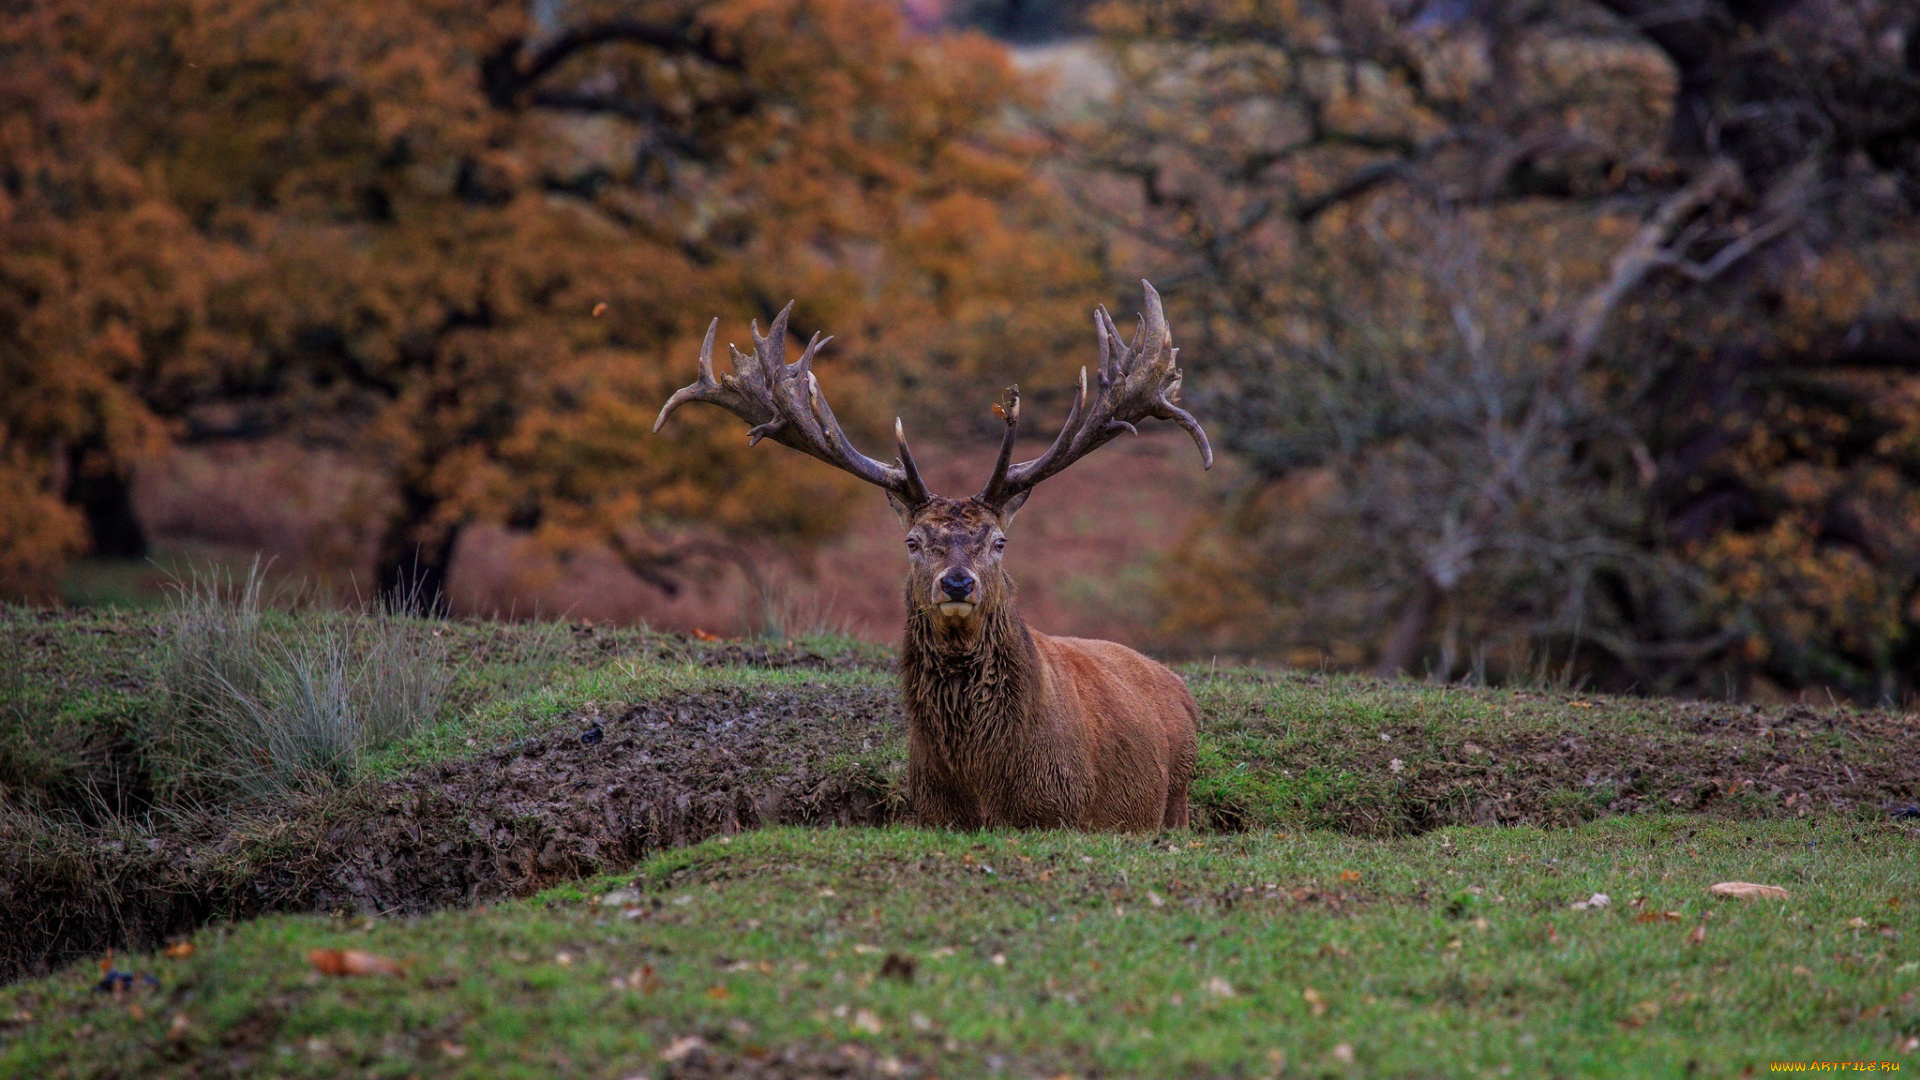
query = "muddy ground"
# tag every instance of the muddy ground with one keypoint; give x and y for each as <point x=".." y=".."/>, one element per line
<point x="520" y="818"/>
<point x="502" y="824"/>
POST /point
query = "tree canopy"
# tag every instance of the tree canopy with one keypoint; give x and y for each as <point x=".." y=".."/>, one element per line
<point x="481" y="250"/>
<point x="1562" y="328"/>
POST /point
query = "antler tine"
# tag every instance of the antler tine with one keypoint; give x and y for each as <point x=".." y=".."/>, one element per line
<point x="783" y="402"/>
<point x="1010" y="413"/>
<point x="916" y="490"/>
<point x="701" y="388"/>
<point x="1138" y="380"/>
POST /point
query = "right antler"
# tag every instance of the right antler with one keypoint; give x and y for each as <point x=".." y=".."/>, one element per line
<point x="1137" y="381"/>
<point x="783" y="402"/>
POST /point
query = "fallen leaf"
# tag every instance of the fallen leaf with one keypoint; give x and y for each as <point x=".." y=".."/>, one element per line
<point x="865" y="1022"/>
<point x="178" y="1029"/>
<point x="1699" y="935"/>
<point x="1316" y="1004"/>
<point x="1219" y="987"/>
<point x="641" y="978"/>
<point x="1553" y="935"/>
<point x="1747" y="890"/>
<point x="564" y="959"/>
<point x="896" y="966"/>
<point x="704" y="636"/>
<point x="452" y="1049"/>
<point x="136" y="1011"/>
<point x="1153" y="898"/>
<point x="682" y="1046"/>
<point x="1657" y="916"/>
<point x="1581" y="704"/>
<point x="618" y="898"/>
<point x="1639" y="1014"/>
<point x="1596" y="901"/>
<point x="179" y="950"/>
<point x="719" y="993"/>
<point x="1343" y="1053"/>
<point x="1348" y="877"/>
<point x="1396" y="765"/>
<point x="344" y="962"/>
<point x="1858" y="923"/>
<point x="599" y="309"/>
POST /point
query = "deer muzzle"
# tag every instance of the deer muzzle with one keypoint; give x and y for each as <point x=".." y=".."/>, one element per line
<point x="957" y="591"/>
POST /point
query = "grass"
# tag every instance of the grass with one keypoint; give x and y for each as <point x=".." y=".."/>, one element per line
<point x="1454" y="953"/>
<point x="1449" y="950"/>
<point x="258" y="703"/>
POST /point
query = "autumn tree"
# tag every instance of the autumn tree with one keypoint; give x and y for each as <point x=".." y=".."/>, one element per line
<point x="480" y="248"/>
<point x="1559" y="328"/>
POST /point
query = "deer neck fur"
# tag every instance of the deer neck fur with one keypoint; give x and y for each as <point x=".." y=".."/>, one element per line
<point x="971" y="690"/>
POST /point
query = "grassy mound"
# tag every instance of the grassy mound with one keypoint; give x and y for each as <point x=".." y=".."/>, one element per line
<point x="563" y="752"/>
<point x="895" y="952"/>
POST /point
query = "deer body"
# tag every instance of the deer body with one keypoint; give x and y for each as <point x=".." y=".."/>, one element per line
<point x="1045" y="732"/>
<point x="1006" y="727"/>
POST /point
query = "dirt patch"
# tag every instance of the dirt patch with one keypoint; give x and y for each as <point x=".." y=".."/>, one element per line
<point x="502" y="824"/>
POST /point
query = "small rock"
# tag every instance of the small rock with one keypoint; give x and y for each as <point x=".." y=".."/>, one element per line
<point x="592" y="736"/>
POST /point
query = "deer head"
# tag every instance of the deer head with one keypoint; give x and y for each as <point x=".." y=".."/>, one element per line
<point x="953" y="545"/>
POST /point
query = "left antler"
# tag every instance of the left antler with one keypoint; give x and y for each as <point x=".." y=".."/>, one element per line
<point x="783" y="402"/>
<point x="1137" y="381"/>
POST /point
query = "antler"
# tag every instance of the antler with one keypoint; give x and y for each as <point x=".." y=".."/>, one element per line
<point x="783" y="402"/>
<point x="1138" y="381"/>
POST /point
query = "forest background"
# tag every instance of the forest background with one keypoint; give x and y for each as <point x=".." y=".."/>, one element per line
<point x="1575" y="339"/>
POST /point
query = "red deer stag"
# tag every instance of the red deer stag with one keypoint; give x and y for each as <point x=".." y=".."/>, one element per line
<point x="1005" y="726"/>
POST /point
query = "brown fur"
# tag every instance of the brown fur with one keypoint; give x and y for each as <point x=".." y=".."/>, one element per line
<point x="1008" y="727"/>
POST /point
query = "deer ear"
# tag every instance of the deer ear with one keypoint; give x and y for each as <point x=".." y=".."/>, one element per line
<point x="901" y="510"/>
<point x="1013" y="506"/>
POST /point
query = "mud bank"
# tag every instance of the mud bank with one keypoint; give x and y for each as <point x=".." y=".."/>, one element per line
<point x="501" y="824"/>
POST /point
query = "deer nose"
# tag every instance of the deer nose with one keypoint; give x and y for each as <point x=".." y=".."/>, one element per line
<point x="957" y="583"/>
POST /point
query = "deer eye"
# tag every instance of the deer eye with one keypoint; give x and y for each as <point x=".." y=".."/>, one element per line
<point x="913" y="543"/>
<point x="999" y="543"/>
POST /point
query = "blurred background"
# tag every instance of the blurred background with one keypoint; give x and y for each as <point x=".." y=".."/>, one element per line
<point x="1570" y="340"/>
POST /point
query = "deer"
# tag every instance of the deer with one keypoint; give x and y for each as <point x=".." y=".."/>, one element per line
<point x="1006" y="727"/>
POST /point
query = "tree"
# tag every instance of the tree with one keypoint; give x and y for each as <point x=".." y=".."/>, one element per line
<point x="1531" y="447"/>
<point x="480" y="249"/>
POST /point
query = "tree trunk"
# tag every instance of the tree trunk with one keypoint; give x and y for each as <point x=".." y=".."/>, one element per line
<point x="1411" y="630"/>
<point x="414" y="560"/>
<point x="105" y="496"/>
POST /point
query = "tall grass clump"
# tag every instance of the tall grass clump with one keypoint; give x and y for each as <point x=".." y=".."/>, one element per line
<point x="260" y="702"/>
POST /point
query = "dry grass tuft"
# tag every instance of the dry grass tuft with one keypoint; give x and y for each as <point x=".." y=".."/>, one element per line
<point x="259" y="703"/>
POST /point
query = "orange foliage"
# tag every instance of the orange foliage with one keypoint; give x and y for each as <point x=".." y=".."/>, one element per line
<point x="482" y="252"/>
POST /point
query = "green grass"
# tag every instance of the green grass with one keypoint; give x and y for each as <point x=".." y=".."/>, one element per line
<point x="1450" y="954"/>
<point x="1450" y="951"/>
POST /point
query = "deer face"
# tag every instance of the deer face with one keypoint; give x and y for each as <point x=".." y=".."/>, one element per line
<point x="954" y="574"/>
